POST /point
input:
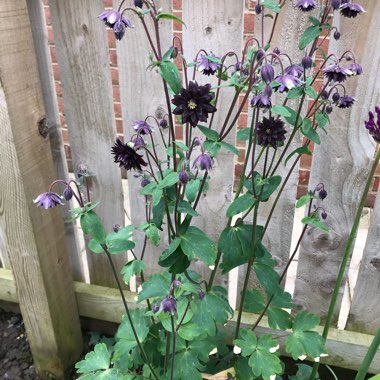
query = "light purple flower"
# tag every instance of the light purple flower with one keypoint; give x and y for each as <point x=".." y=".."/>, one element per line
<point x="351" y="9"/>
<point x="356" y="69"/>
<point x="115" y="20"/>
<point x="142" y="127"/>
<point x="294" y="70"/>
<point x="337" y="73"/>
<point x="263" y="100"/>
<point x="345" y="101"/>
<point x="169" y="305"/>
<point x="267" y="73"/>
<point x="138" y="142"/>
<point x="372" y="126"/>
<point x="287" y="82"/>
<point x="48" y="200"/>
<point x="207" y="65"/>
<point x="306" y="5"/>
<point x="203" y="162"/>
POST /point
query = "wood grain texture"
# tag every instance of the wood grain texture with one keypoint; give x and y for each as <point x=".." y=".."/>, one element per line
<point x="364" y="313"/>
<point x="142" y="94"/>
<point x="215" y="26"/>
<point x="346" y="349"/>
<point x="83" y="60"/>
<point x="34" y="236"/>
<point x="45" y="70"/>
<point x="342" y="163"/>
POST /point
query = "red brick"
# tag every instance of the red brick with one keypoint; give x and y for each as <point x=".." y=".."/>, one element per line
<point x="50" y="34"/>
<point x="68" y="152"/>
<point x="115" y="75"/>
<point x="111" y="39"/>
<point x="58" y="88"/>
<point x="177" y="4"/>
<point x="107" y="3"/>
<point x="249" y="23"/>
<point x="65" y="136"/>
<point x="55" y="71"/>
<point x="53" y="53"/>
<point x="60" y="104"/>
<point x="376" y="183"/>
<point x="250" y="4"/>
<point x="241" y="155"/>
<point x="177" y="26"/>
<point x="305" y="162"/>
<point x="113" y="57"/>
<point x="241" y="99"/>
<point x="116" y="93"/>
<point x="117" y="108"/>
<point x="303" y="178"/>
<point x="47" y="15"/>
<point x="179" y="132"/>
<point x="243" y="120"/>
<point x="119" y="125"/>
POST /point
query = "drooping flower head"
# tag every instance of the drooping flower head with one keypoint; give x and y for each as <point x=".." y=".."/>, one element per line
<point x="307" y="62"/>
<point x="116" y="21"/>
<point x="351" y="9"/>
<point x="68" y="193"/>
<point x="208" y="64"/>
<point x="138" y="142"/>
<point x="203" y="162"/>
<point x="169" y="305"/>
<point x="306" y="5"/>
<point x="356" y="69"/>
<point x="374" y="126"/>
<point x="263" y="100"/>
<point x="183" y="177"/>
<point x="294" y="70"/>
<point x="142" y="127"/>
<point x="138" y="3"/>
<point x="287" y="82"/>
<point x="337" y="73"/>
<point x="48" y="200"/>
<point x="345" y="101"/>
<point x="335" y="4"/>
<point x="127" y="157"/>
<point x="194" y="103"/>
<point x="267" y="73"/>
<point x="271" y="132"/>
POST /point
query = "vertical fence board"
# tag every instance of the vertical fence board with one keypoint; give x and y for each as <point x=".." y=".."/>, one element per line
<point x="40" y="39"/>
<point x="83" y="61"/>
<point x="35" y="237"/>
<point x="341" y="163"/>
<point x="365" y="309"/>
<point x="142" y="94"/>
<point x="215" y="26"/>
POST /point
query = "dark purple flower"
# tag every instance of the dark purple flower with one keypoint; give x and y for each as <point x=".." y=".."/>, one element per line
<point x="142" y="127"/>
<point x="194" y="103"/>
<point x="267" y="73"/>
<point x="138" y="142"/>
<point x="116" y="228"/>
<point x="176" y="284"/>
<point x="144" y="182"/>
<point x="335" y="96"/>
<point x="271" y="132"/>
<point x="276" y="50"/>
<point x="336" y="35"/>
<point x="351" y="9"/>
<point x="287" y="82"/>
<point x="329" y="109"/>
<point x="208" y="64"/>
<point x="127" y="157"/>
<point x="169" y="305"/>
<point x="68" y="193"/>
<point x="138" y="3"/>
<point x="201" y="295"/>
<point x="306" y="5"/>
<point x="260" y="54"/>
<point x="258" y="8"/>
<point x="203" y="162"/>
<point x="323" y="215"/>
<point x="337" y="73"/>
<point x="262" y="100"/>
<point x="372" y="126"/>
<point x="294" y="70"/>
<point x="345" y="101"/>
<point x="324" y="94"/>
<point x="183" y="177"/>
<point x="48" y="200"/>
<point x="307" y="62"/>
<point x="356" y="69"/>
<point x="335" y="4"/>
<point x="115" y="20"/>
<point x="163" y="123"/>
<point x="322" y="194"/>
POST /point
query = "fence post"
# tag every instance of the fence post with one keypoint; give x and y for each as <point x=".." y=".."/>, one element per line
<point x="39" y="258"/>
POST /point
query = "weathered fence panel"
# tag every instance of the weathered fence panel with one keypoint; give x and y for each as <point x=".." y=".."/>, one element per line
<point x="365" y="309"/>
<point x="342" y="164"/>
<point x="141" y="93"/>
<point x="39" y="262"/>
<point x="221" y="33"/>
<point x="83" y="60"/>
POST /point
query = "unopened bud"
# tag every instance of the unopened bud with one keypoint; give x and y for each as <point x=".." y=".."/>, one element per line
<point x="335" y="96"/>
<point x="307" y="62"/>
<point x="336" y="35"/>
<point x="68" y="193"/>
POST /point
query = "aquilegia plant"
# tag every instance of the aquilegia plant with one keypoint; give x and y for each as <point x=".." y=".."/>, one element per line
<point x="181" y="331"/>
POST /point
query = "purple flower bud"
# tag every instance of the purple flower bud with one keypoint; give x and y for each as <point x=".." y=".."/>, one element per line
<point x="335" y="97"/>
<point x="164" y="123"/>
<point x="119" y="29"/>
<point x="294" y="70"/>
<point x="174" y="53"/>
<point x="138" y="142"/>
<point x="267" y="73"/>
<point x="276" y="50"/>
<point x="81" y="171"/>
<point x="336" y="35"/>
<point x="322" y="194"/>
<point x="142" y="127"/>
<point x="169" y="305"/>
<point x="324" y="215"/>
<point x="324" y="94"/>
<point x="260" y="54"/>
<point x="48" y="200"/>
<point x="335" y="4"/>
<point x="155" y="307"/>
<point x="307" y="62"/>
<point x="68" y="193"/>
<point x="329" y="109"/>
<point x="138" y="3"/>
<point x="116" y="228"/>
<point x="356" y="69"/>
<point x="203" y="162"/>
<point x="145" y="182"/>
<point x="176" y="284"/>
<point x="183" y="177"/>
<point x="258" y="8"/>
<point x="196" y="141"/>
<point x="201" y="295"/>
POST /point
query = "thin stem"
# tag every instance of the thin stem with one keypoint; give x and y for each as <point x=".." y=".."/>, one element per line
<point x="368" y="358"/>
<point x="143" y="354"/>
<point x="184" y="315"/>
<point x="347" y="253"/>
<point x="173" y="351"/>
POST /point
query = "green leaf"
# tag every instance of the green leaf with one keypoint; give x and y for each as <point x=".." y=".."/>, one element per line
<point x="303" y="373"/>
<point x="169" y="180"/>
<point x="300" y="151"/>
<point x="263" y="360"/>
<point x="184" y="207"/>
<point x="309" y="132"/>
<point x="92" y="225"/>
<point x="195" y="243"/>
<point x="314" y="21"/>
<point x="281" y="110"/>
<point x="243" y="203"/>
<point x="209" y="133"/>
<point x="271" y="4"/>
<point x="148" y="189"/>
<point x="213" y="147"/>
<point x="304" y="200"/>
<point x="293" y="116"/>
<point x="98" y="359"/>
<point x="187" y="366"/>
<point x="168" y="54"/>
<point x="309" y="90"/>
<point x="125" y="339"/>
<point x="119" y="242"/>
<point x="302" y="341"/>
<point x="132" y="268"/>
<point x="322" y="119"/>
<point x="266" y="187"/>
<point x="295" y="92"/>
<point x="159" y="213"/>
<point x="230" y="148"/>
<point x="243" y="370"/>
<point x="157" y="196"/>
<point x="157" y="286"/>
<point x="192" y="188"/>
<point x="152" y="234"/>
<point x="168" y="16"/>
<point x="309" y="35"/>
<point x="170" y="73"/>
<point x="243" y="134"/>
<point x="208" y="312"/>
<point x="315" y="222"/>
<point x="181" y="145"/>
<point x="267" y="276"/>
<point x="95" y="247"/>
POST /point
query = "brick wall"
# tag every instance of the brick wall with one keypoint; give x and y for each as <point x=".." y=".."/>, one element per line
<point x="249" y="21"/>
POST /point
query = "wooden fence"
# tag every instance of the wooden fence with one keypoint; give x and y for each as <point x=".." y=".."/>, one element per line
<point x="40" y="255"/>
